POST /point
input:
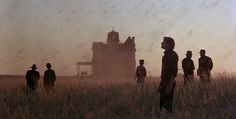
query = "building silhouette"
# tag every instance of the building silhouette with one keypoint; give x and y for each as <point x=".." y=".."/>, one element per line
<point x="112" y="59"/>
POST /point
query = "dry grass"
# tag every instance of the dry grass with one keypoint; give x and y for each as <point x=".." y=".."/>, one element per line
<point x="80" y="99"/>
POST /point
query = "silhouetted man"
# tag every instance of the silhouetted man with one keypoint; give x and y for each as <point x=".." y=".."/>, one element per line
<point x="188" y="67"/>
<point x="32" y="77"/>
<point x="141" y="73"/>
<point x="205" y="66"/>
<point x="168" y="73"/>
<point x="49" y="77"/>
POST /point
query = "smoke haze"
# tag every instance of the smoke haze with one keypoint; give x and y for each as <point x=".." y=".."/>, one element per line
<point x="62" y="31"/>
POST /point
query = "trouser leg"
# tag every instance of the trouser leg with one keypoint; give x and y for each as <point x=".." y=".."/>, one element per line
<point x="162" y="99"/>
<point x="170" y="98"/>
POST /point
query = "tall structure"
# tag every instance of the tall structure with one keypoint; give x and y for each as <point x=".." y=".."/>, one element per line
<point x="113" y="60"/>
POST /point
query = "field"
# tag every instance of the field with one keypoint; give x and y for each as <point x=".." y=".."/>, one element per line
<point x="94" y="99"/>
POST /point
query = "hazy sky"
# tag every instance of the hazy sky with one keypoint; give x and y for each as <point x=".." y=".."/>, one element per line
<point x="62" y="31"/>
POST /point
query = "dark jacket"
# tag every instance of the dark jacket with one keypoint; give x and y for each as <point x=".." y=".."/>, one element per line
<point x="49" y="75"/>
<point x="188" y="66"/>
<point x="141" y="71"/>
<point x="205" y="63"/>
<point x="169" y="67"/>
<point x="32" y="77"/>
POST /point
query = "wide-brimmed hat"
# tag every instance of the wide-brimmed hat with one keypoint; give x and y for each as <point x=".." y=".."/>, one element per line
<point x="141" y="60"/>
<point x="34" y="66"/>
<point x="188" y="52"/>
<point x="202" y="51"/>
<point x="48" y="65"/>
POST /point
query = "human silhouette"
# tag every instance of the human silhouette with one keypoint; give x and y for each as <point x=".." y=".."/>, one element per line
<point x="188" y="67"/>
<point x="32" y="76"/>
<point x="168" y="73"/>
<point x="49" y="77"/>
<point x="205" y="66"/>
<point x="141" y="73"/>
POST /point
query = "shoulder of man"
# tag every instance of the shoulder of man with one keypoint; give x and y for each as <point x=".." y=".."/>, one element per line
<point x="51" y="71"/>
<point x="200" y="58"/>
<point x="184" y="59"/>
<point x="28" y="72"/>
<point x="143" y="67"/>
<point x="208" y="58"/>
<point x="37" y="72"/>
<point x="138" y="66"/>
<point x="174" y="55"/>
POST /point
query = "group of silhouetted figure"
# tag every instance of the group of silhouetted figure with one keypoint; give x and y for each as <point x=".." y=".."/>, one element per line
<point x="169" y="72"/>
<point x="32" y="77"/>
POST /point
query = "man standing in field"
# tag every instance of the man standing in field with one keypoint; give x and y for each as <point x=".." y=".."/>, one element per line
<point x="168" y="73"/>
<point x="49" y="77"/>
<point x="205" y="66"/>
<point x="188" y="67"/>
<point x="141" y="73"/>
<point x="32" y="77"/>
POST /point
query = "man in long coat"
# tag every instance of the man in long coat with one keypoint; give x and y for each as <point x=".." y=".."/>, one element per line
<point x="49" y="77"/>
<point x="32" y="76"/>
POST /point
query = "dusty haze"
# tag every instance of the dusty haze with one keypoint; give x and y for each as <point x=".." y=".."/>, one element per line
<point x="62" y="31"/>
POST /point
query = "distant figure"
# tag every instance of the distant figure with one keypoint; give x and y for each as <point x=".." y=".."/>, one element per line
<point x="188" y="67"/>
<point x="168" y="73"/>
<point x="49" y="77"/>
<point x="141" y="73"/>
<point x="205" y="66"/>
<point x="32" y="77"/>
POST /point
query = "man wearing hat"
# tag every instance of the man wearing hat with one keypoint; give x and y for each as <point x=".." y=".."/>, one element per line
<point x="188" y="67"/>
<point x="205" y="66"/>
<point x="32" y="77"/>
<point x="141" y="73"/>
<point x="49" y="77"/>
<point x="168" y="73"/>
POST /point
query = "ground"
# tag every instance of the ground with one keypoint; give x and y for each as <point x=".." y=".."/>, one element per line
<point x="95" y="99"/>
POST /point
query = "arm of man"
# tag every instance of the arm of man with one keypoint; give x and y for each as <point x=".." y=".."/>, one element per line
<point x="199" y="65"/>
<point x="183" y="64"/>
<point x="210" y="64"/>
<point x="54" y="76"/>
<point x="174" y="71"/>
<point x="145" y="73"/>
<point x="193" y="65"/>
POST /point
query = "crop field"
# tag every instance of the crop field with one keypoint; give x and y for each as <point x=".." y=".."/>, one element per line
<point x="105" y="99"/>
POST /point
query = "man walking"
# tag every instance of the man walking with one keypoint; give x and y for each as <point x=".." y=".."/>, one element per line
<point x="168" y="73"/>
<point x="188" y="67"/>
<point x="49" y="77"/>
<point x="32" y="77"/>
<point x="141" y="73"/>
<point x="205" y="66"/>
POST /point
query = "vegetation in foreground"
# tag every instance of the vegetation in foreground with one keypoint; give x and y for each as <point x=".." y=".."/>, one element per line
<point x="81" y="99"/>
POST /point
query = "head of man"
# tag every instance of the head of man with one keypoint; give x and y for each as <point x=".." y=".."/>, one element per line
<point x="202" y="52"/>
<point x="168" y="43"/>
<point x="189" y="54"/>
<point x="141" y="62"/>
<point x="34" y="67"/>
<point x="48" y="65"/>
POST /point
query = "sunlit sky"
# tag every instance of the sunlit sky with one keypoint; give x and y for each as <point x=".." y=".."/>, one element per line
<point x="62" y="31"/>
